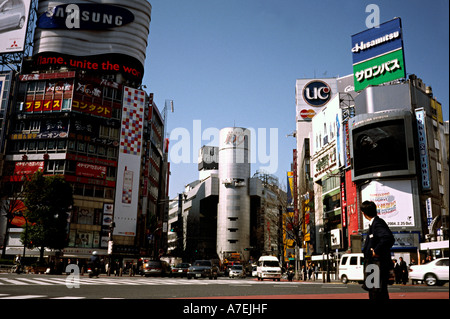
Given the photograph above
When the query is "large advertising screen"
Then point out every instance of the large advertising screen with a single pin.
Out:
(394, 200)
(380, 147)
(93, 36)
(378, 55)
(382, 144)
(14, 16)
(129, 166)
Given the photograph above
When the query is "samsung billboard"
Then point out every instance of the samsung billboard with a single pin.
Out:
(378, 55)
(85, 16)
(94, 36)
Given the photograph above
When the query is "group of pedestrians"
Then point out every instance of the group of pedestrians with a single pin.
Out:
(310, 272)
(400, 271)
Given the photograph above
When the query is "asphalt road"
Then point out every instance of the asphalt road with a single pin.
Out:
(115, 297)
(49, 287)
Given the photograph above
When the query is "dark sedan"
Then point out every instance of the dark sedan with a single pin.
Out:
(203, 269)
(180, 270)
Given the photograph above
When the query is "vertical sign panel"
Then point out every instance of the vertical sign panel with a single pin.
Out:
(378, 55)
(128, 172)
(423, 149)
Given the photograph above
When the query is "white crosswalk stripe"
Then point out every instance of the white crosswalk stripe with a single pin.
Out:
(18, 297)
(22, 297)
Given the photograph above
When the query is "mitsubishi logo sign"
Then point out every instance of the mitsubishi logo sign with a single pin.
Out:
(317, 93)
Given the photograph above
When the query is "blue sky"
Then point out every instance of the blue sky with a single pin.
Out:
(235, 62)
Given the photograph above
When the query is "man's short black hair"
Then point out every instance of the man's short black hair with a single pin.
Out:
(369, 208)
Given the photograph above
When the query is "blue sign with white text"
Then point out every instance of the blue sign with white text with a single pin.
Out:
(85, 16)
(374, 42)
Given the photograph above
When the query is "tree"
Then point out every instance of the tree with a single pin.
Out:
(48, 200)
(11, 205)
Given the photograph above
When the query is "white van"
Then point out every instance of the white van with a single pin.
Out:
(351, 267)
(268, 267)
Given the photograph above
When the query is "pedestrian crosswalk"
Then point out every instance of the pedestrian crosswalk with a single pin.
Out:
(31, 283)
(138, 281)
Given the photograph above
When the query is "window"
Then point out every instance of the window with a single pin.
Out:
(99, 192)
(51, 145)
(354, 260)
(66, 104)
(62, 145)
(91, 149)
(112, 152)
(331, 183)
(41, 145)
(330, 203)
(81, 147)
(31, 145)
(89, 191)
(35, 125)
(101, 151)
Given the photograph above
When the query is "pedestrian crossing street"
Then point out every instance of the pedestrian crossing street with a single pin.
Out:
(137, 281)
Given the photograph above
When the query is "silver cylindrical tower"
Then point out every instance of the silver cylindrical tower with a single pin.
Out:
(233, 214)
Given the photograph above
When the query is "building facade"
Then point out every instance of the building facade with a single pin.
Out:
(79, 112)
(226, 214)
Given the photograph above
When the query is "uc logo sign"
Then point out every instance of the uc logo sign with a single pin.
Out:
(317, 93)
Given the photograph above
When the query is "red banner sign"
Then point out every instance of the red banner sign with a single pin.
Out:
(28, 168)
(43, 106)
(90, 170)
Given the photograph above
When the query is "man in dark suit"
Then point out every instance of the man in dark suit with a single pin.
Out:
(403, 271)
(377, 253)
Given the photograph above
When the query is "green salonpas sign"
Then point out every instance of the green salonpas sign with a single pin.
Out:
(382, 69)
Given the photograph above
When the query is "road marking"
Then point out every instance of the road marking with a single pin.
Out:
(55, 281)
(14, 282)
(23, 297)
(33, 281)
(67, 297)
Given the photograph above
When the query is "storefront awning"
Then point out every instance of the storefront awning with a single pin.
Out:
(434, 245)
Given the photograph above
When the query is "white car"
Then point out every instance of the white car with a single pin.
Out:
(433, 273)
(268, 268)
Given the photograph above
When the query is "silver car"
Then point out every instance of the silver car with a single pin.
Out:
(236, 271)
(12, 14)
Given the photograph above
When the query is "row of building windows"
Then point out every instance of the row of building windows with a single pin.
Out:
(93, 191)
(51, 87)
(61, 146)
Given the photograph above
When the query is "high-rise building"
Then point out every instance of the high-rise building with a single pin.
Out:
(233, 215)
(79, 111)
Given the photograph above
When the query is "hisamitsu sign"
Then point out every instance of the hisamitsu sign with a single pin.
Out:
(378, 55)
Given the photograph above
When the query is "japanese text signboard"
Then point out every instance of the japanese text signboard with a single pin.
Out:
(378, 55)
